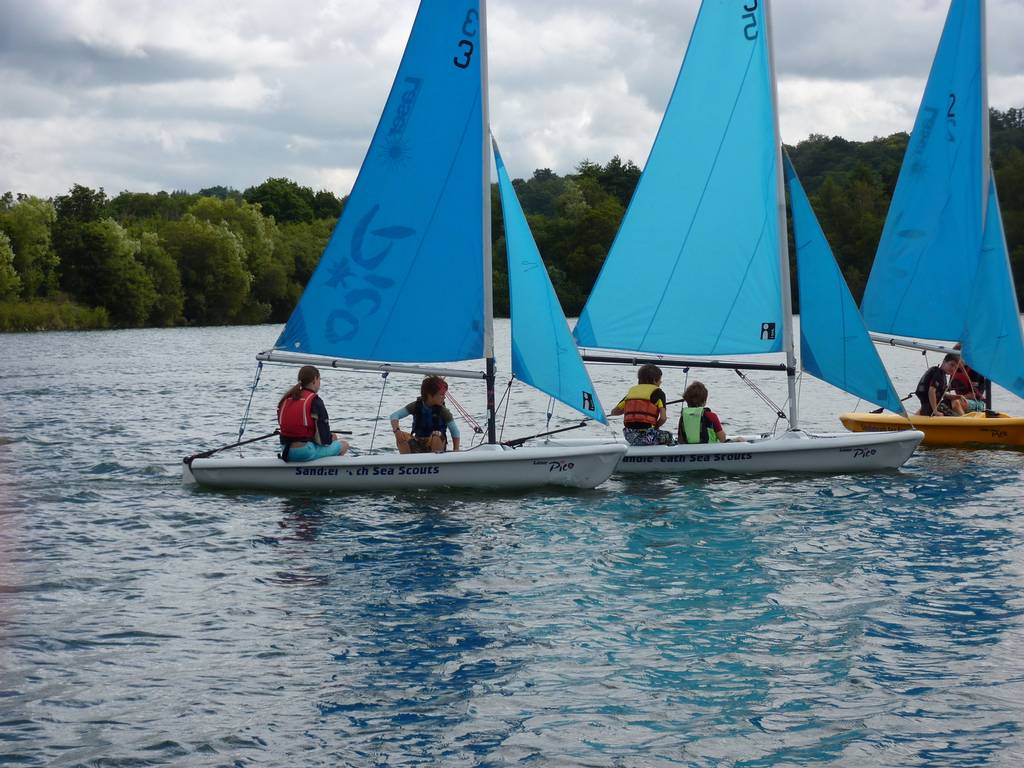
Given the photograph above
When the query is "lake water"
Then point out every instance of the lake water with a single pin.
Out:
(872, 620)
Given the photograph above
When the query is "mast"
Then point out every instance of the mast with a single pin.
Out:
(485, 149)
(784, 276)
(986, 164)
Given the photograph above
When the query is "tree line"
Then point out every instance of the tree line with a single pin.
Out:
(221, 256)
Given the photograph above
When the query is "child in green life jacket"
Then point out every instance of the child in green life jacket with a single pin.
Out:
(699, 424)
(643, 409)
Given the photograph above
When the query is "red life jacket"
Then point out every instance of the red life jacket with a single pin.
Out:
(295, 417)
(638, 411)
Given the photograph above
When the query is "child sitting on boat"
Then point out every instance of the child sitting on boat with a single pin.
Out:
(431, 421)
(303, 422)
(643, 409)
(969, 385)
(937, 399)
(698, 423)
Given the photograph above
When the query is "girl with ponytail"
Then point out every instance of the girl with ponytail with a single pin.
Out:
(303, 421)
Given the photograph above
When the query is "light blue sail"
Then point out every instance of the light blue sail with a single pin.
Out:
(402, 276)
(543, 352)
(992, 342)
(695, 266)
(834, 342)
(932, 234)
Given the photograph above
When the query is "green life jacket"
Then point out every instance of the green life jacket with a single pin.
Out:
(697, 426)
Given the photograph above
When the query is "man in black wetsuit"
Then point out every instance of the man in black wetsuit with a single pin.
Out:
(933, 388)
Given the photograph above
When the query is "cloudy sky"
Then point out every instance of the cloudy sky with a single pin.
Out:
(151, 94)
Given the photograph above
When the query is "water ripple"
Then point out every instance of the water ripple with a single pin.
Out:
(713, 621)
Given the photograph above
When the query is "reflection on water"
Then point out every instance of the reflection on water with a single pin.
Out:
(861, 620)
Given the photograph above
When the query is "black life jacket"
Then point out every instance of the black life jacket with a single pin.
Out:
(934, 375)
(428, 419)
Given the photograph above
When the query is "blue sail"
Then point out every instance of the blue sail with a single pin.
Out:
(992, 343)
(543, 352)
(695, 266)
(932, 234)
(834, 342)
(402, 276)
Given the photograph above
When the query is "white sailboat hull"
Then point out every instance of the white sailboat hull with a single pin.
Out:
(795, 451)
(489, 467)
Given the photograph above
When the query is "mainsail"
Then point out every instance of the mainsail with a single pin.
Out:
(403, 276)
(695, 268)
(942, 269)
(834, 342)
(543, 352)
(932, 235)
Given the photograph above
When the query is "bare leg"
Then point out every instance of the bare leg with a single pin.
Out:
(402, 441)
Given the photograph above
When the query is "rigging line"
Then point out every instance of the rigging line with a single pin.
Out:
(376, 419)
(550, 413)
(465, 414)
(779, 413)
(507, 399)
(252, 392)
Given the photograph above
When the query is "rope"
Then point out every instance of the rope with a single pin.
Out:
(466, 415)
(507, 401)
(207, 454)
(779, 413)
(252, 392)
(376, 419)
(551, 412)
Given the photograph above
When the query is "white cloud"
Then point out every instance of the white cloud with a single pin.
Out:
(153, 95)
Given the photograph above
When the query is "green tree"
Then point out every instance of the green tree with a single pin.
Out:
(10, 283)
(211, 259)
(117, 279)
(619, 179)
(130, 207)
(27, 224)
(299, 247)
(852, 211)
(572, 205)
(168, 307)
(258, 233)
(80, 206)
(326, 205)
(283, 199)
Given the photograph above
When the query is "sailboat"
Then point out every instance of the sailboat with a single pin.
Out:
(700, 265)
(942, 273)
(418, 216)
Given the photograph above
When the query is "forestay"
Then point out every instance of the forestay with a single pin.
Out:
(932, 235)
(992, 340)
(402, 278)
(834, 342)
(543, 352)
(695, 268)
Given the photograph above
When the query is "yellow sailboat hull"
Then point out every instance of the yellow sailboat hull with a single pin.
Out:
(972, 429)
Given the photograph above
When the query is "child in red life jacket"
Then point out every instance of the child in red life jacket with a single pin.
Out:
(302, 419)
(430, 421)
(643, 409)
